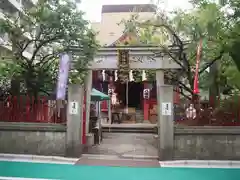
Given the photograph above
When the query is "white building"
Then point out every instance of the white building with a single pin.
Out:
(11, 9)
(110, 29)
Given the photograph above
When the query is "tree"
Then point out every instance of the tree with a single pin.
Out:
(183, 31)
(46, 30)
(230, 64)
(232, 9)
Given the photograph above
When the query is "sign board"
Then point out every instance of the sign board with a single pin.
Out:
(166, 109)
(73, 107)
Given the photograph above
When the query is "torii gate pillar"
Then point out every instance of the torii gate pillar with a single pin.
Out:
(88, 98)
(165, 118)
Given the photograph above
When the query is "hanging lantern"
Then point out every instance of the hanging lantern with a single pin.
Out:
(110, 91)
(115, 75)
(146, 93)
(131, 76)
(103, 75)
(144, 76)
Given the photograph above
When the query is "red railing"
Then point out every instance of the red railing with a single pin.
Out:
(30, 109)
(213, 112)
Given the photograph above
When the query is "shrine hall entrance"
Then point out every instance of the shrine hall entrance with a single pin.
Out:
(130, 94)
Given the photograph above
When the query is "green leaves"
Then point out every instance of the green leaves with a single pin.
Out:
(53, 27)
(184, 29)
(234, 53)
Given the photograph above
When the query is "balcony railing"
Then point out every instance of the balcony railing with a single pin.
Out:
(17, 4)
(5, 14)
(4, 39)
(4, 42)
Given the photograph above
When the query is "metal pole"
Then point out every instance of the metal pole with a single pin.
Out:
(99, 122)
(127, 97)
(109, 112)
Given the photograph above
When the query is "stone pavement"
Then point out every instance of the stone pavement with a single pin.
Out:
(123, 149)
(126, 145)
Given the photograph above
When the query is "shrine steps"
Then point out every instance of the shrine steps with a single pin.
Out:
(130, 128)
(139, 116)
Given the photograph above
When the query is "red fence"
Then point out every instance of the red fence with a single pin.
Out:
(220, 112)
(29, 109)
(212, 112)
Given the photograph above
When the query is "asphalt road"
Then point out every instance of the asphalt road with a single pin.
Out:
(21, 170)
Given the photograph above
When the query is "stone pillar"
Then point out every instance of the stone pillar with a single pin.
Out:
(88, 98)
(74, 125)
(165, 118)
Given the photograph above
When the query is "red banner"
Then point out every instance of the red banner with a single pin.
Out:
(196, 77)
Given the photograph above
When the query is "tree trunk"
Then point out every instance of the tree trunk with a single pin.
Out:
(15, 86)
(214, 87)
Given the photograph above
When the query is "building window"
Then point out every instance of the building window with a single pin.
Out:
(111, 33)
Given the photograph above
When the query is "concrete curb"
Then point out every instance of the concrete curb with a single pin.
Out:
(16, 178)
(96, 156)
(140, 157)
(37, 158)
(116, 157)
(201, 164)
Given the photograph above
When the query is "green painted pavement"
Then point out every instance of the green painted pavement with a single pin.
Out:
(79, 172)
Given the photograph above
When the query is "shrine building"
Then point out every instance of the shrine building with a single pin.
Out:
(139, 94)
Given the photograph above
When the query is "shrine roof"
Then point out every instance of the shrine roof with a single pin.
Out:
(123, 41)
(125, 37)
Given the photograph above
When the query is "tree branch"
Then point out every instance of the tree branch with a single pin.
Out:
(181, 84)
(26, 45)
(212, 62)
(44, 42)
(181, 92)
(45, 59)
(44, 91)
(173, 58)
(181, 55)
(185, 87)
